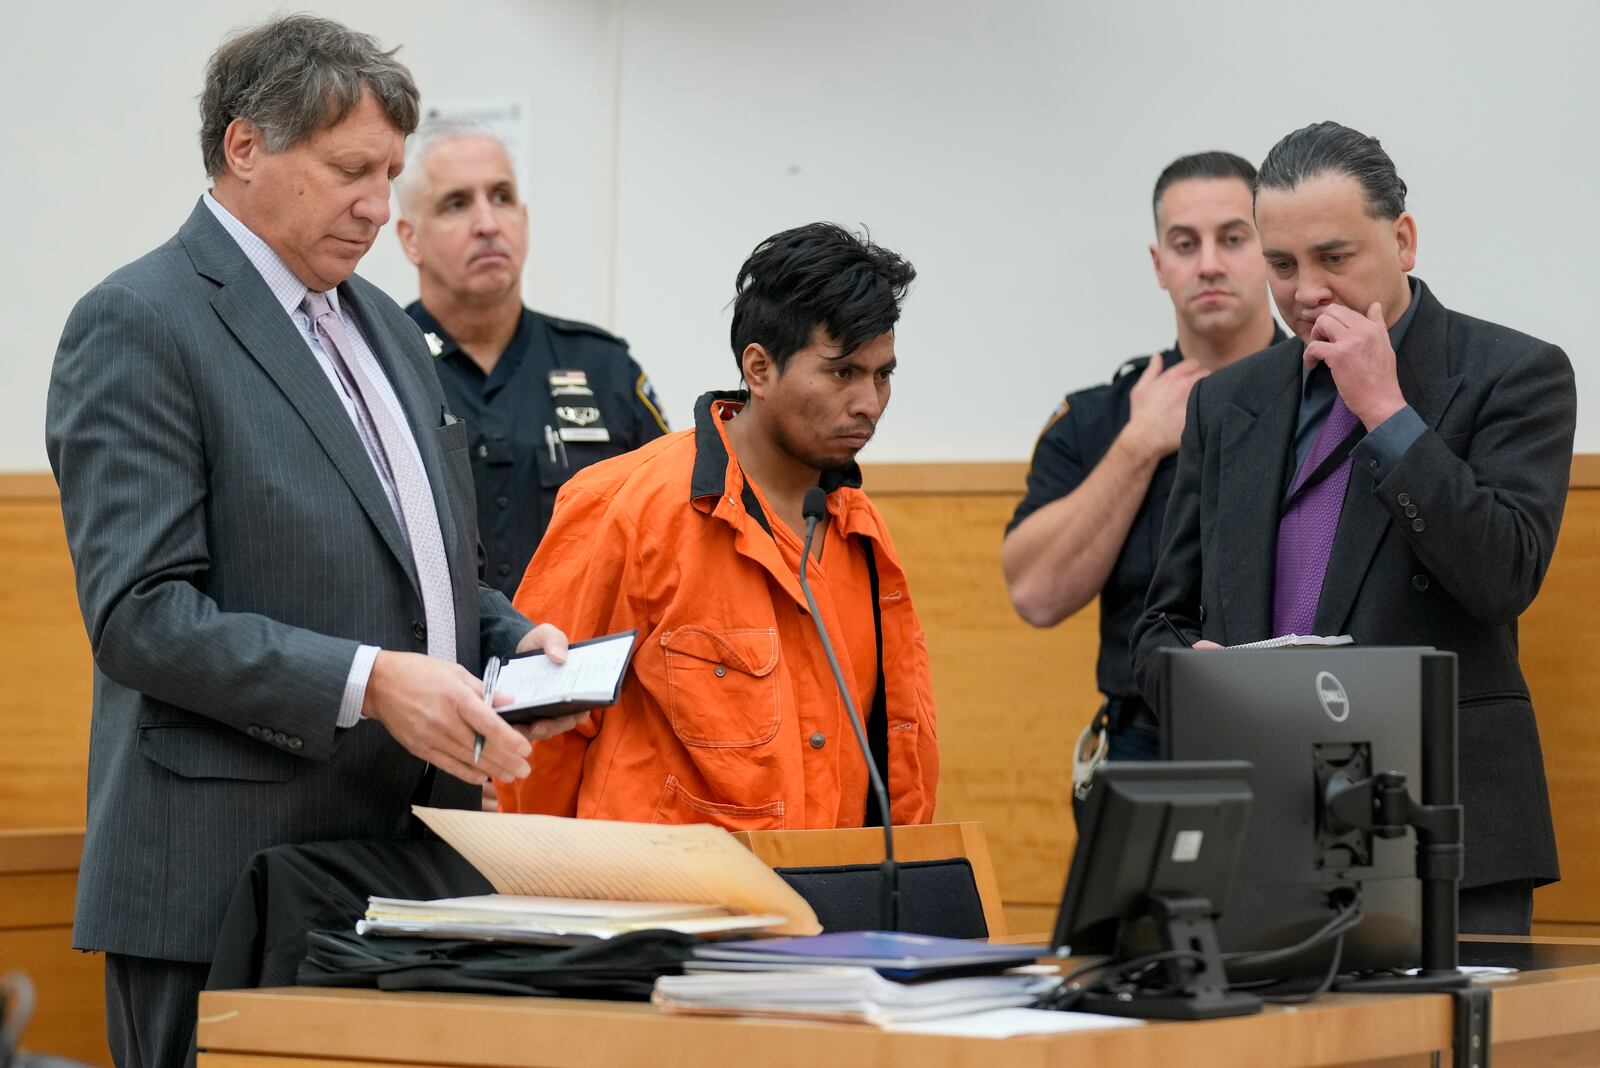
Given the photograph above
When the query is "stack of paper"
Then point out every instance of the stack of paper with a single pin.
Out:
(546, 920)
(850, 995)
(1010, 1023)
(566, 879)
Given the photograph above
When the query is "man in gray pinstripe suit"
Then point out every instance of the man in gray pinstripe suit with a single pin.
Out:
(271, 517)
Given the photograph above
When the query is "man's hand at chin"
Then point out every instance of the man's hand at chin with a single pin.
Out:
(1356, 349)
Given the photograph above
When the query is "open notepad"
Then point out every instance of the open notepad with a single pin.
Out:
(591, 677)
(1298, 641)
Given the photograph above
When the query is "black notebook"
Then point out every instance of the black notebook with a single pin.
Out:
(591, 677)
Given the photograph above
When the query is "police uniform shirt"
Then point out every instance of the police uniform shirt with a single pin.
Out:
(1078, 436)
(562, 396)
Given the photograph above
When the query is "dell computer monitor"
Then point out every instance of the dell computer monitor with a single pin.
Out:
(1300, 716)
(1147, 830)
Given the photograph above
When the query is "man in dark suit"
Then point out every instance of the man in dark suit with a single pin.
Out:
(1396, 471)
(271, 517)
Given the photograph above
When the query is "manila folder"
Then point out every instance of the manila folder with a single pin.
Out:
(609, 860)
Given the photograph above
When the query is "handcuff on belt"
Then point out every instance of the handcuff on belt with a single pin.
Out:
(1090, 751)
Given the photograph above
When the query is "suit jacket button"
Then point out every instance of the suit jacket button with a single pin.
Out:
(1411, 511)
(1419, 582)
(280, 738)
(253, 731)
(296, 743)
(1404, 499)
(818, 741)
(419, 630)
(1417, 525)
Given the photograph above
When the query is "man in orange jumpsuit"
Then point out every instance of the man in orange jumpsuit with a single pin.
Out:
(730, 714)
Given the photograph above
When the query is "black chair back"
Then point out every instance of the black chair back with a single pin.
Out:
(937, 897)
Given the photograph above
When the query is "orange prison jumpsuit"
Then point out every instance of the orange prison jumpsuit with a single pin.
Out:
(729, 713)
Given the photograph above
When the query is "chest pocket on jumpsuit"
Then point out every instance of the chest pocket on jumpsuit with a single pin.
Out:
(722, 685)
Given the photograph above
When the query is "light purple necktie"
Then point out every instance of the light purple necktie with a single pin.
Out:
(1305, 533)
(401, 471)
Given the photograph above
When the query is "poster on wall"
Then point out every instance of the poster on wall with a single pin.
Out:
(511, 117)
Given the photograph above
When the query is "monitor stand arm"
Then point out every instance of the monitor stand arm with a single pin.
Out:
(1381, 804)
(1194, 987)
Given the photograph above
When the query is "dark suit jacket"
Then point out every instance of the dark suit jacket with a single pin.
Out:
(1446, 551)
(233, 546)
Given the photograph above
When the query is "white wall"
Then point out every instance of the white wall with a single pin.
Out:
(101, 160)
(1006, 148)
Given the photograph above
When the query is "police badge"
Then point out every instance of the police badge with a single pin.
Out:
(579, 421)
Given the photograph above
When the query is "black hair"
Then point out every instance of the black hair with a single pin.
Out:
(816, 275)
(1201, 165)
(1327, 147)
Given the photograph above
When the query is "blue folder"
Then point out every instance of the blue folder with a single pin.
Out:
(890, 953)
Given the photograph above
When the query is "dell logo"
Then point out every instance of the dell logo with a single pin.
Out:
(1331, 695)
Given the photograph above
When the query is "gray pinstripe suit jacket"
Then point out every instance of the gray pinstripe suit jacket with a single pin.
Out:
(233, 546)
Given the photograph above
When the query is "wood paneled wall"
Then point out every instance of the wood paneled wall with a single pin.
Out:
(1559, 637)
(44, 662)
(38, 877)
(1011, 699)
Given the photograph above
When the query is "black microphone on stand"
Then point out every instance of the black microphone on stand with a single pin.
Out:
(814, 507)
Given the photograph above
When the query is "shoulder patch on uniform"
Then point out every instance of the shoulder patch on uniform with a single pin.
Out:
(647, 396)
(572, 326)
(1055, 415)
(1133, 366)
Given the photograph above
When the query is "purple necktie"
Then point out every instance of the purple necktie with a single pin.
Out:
(1305, 533)
(401, 472)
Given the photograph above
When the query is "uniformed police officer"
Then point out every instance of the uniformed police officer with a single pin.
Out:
(542, 397)
(1102, 469)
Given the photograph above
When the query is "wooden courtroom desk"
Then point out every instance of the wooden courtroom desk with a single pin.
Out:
(1548, 1019)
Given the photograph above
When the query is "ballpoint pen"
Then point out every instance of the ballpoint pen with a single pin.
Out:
(1176, 633)
(491, 674)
